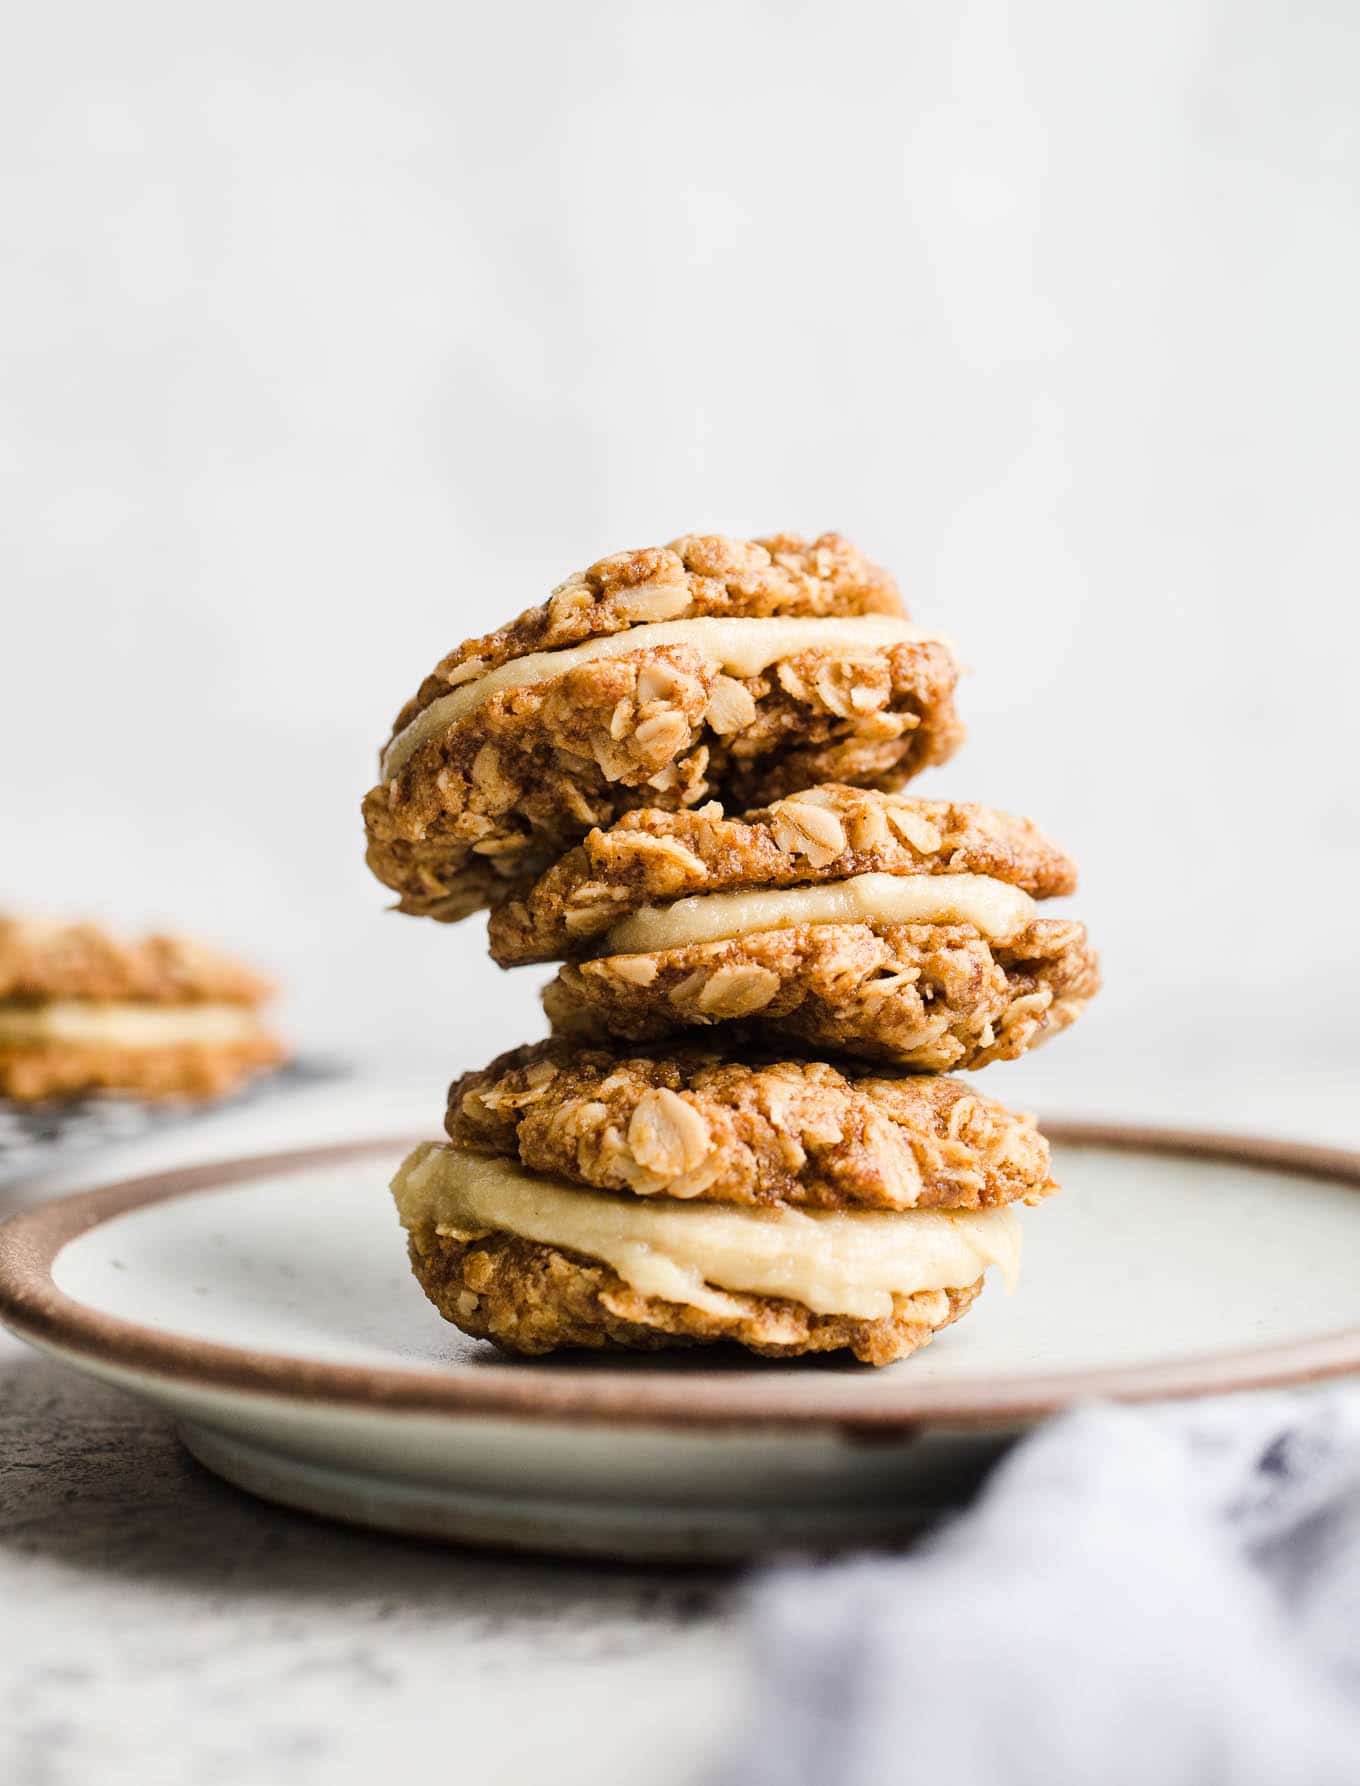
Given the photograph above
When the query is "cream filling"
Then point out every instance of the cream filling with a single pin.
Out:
(126, 1025)
(834, 1262)
(738, 648)
(998, 910)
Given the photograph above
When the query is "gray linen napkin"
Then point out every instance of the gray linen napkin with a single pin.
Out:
(1150, 1596)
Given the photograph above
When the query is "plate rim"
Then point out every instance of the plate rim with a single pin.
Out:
(36, 1310)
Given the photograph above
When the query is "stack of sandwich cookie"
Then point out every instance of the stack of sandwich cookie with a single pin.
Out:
(767, 952)
(160, 1016)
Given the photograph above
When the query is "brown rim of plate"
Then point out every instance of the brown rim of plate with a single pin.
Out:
(34, 1308)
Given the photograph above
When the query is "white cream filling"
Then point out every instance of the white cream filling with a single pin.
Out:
(998, 910)
(125, 1024)
(834, 1262)
(739, 648)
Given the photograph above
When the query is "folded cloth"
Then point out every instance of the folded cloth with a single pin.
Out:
(1153, 1596)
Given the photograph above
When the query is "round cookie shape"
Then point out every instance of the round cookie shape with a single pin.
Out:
(847, 920)
(693, 1124)
(714, 668)
(813, 836)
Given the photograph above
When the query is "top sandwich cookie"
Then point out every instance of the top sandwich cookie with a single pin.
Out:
(161, 1016)
(710, 668)
(866, 924)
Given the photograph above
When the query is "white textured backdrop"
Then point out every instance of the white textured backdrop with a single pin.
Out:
(332, 333)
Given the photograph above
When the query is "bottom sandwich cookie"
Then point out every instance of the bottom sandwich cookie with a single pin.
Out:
(784, 1206)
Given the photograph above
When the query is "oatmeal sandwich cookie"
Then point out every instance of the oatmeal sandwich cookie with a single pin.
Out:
(867, 924)
(740, 669)
(661, 1199)
(83, 1011)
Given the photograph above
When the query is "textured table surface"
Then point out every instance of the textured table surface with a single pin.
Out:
(159, 1626)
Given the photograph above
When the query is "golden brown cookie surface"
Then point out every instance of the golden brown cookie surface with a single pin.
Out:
(690, 1123)
(816, 835)
(849, 920)
(773, 676)
(934, 998)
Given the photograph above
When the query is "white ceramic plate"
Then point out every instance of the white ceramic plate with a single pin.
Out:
(267, 1306)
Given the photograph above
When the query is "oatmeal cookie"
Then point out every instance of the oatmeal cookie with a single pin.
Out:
(817, 835)
(82, 1011)
(734, 669)
(690, 1123)
(865, 924)
(934, 998)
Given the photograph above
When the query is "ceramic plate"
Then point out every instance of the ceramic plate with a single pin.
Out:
(266, 1306)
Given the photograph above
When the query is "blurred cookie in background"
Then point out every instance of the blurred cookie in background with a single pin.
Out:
(159, 1016)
